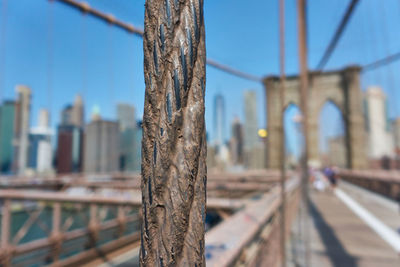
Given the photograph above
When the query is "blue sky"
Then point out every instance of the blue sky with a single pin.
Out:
(104, 63)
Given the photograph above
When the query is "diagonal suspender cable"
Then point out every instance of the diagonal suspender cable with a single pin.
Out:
(174, 141)
(381, 62)
(336, 37)
(84, 7)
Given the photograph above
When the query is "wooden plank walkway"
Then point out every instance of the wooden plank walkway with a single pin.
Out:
(340, 238)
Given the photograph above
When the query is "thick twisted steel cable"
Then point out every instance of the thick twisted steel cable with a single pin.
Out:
(174, 141)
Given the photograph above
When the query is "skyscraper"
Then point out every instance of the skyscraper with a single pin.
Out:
(254, 147)
(236, 143)
(7, 124)
(40, 149)
(21, 134)
(127, 131)
(137, 164)
(69, 156)
(379, 136)
(126, 116)
(77, 112)
(101, 152)
(73, 114)
(396, 135)
(251, 122)
(66, 115)
(70, 138)
(219, 120)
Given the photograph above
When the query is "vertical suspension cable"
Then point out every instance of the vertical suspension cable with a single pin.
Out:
(111, 75)
(374, 43)
(84, 56)
(304, 94)
(365, 49)
(133, 77)
(283, 146)
(111, 65)
(389, 73)
(50, 55)
(3, 45)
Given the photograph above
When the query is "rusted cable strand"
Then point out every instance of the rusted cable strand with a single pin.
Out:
(174, 143)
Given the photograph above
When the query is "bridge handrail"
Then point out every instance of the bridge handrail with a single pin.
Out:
(229, 238)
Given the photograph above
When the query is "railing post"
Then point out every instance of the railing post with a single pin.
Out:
(56, 235)
(121, 220)
(93, 225)
(5, 249)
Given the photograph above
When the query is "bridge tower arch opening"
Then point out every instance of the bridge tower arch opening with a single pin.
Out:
(293, 137)
(341, 87)
(332, 136)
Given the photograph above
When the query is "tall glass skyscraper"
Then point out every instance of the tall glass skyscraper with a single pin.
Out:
(127, 128)
(7, 120)
(251, 122)
(21, 134)
(219, 120)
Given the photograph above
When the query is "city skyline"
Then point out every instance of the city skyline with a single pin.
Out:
(27, 61)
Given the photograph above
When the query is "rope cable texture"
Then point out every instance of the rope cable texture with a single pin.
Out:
(174, 142)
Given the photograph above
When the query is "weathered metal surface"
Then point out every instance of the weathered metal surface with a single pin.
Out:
(174, 141)
(59, 233)
(226, 242)
(133, 199)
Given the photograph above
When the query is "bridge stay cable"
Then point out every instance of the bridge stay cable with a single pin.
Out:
(386, 41)
(50, 59)
(84, 7)
(3, 44)
(338, 33)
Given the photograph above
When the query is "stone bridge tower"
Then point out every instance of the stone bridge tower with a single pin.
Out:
(340, 87)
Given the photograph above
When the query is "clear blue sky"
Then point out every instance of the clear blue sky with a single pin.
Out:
(242, 34)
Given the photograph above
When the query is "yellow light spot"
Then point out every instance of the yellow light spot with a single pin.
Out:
(262, 133)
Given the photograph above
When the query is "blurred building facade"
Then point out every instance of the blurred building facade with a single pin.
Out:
(254, 147)
(70, 138)
(40, 149)
(250, 119)
(396, 135)
(101, 148)
(7, 125)
(380, 138)
(69, 157)
(137, 164)
(219, 120)
(236, 143)
(127, 131)
(21, 133)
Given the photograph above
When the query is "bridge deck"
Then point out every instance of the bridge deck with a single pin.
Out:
(341, 238)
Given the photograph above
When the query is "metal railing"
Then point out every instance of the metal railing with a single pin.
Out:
(250, 237)
(47, 230)
(383, 182)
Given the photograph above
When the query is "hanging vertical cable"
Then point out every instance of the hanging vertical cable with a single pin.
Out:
(372, 32)
(3, 45)
(304, 94)
(84, 55)
(111, 86)
(174, 141)
(50, 57)
(283, 146)
(390, 78)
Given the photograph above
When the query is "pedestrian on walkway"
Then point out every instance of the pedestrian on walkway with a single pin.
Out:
(330, 173)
